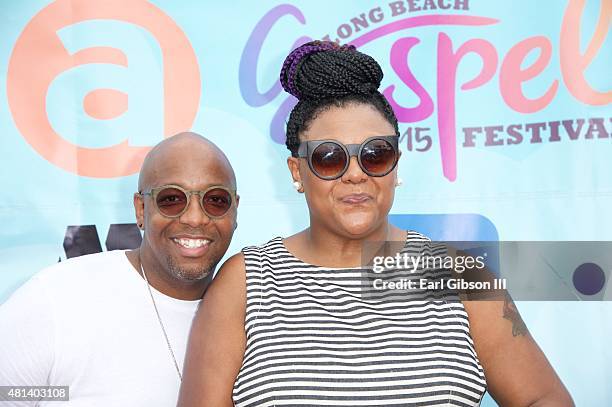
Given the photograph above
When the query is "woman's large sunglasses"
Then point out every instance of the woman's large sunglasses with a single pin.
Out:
(172, 200)
(329, 159)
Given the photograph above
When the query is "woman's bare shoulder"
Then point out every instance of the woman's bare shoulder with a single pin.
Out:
(230, 280)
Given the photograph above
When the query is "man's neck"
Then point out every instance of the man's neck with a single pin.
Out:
(162, 281)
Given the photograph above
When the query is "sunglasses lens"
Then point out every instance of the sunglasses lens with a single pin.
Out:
(378, 157)
(171, 201)
(328, 160)
(217, 202)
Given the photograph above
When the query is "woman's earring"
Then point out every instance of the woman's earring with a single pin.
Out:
(399, 182)
(297, 185)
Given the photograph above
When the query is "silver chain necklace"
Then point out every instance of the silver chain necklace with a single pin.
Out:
(161, 324)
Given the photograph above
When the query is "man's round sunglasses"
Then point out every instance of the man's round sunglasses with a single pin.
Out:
(329, 159)
(172, 201)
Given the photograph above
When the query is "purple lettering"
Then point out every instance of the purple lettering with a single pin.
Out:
(492, 133)
(469, 136)
(247, 78)
(535, 131)
(515, 134)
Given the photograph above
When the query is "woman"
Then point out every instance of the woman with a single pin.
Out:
(285, 324)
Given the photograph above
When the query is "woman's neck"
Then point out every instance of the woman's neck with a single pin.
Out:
(325, 247)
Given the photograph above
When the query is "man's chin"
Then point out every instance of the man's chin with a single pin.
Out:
(189, 272)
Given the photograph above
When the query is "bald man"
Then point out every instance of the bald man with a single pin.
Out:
(113, 326)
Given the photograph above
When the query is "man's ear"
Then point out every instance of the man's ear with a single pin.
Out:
(236, 217)
(139, 209)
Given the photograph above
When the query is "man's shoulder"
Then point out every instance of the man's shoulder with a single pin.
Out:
(84, 267)
(74, 281)
(90, 260)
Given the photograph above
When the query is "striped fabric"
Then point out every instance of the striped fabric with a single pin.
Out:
(316, 337)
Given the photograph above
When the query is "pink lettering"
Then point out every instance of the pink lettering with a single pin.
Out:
(511, 76)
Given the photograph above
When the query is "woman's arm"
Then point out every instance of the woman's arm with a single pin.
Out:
(217, 340)
(517, 372)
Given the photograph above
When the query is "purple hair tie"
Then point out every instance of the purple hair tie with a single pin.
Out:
(297, 55)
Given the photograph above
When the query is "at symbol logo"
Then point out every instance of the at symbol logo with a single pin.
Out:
(93, 84)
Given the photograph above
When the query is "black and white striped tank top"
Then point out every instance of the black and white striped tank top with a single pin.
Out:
(314, 339)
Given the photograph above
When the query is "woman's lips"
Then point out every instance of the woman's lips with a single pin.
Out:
(356, 198)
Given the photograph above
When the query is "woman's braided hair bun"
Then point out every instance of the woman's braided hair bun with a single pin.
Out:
(320, 70)
(323, 74)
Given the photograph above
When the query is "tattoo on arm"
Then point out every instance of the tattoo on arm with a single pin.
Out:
(511, 313)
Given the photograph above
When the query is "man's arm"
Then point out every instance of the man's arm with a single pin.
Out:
(27, 338)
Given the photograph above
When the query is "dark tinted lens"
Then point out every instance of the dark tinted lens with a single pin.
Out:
(171, 201)
(217, 202)
(378, 157)
(328, 160)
